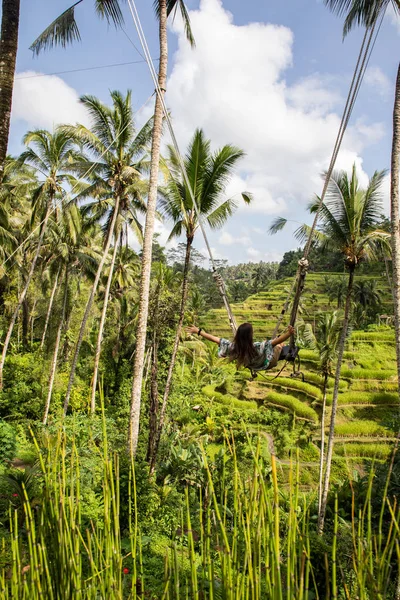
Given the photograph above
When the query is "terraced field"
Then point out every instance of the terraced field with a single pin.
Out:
(368, 414)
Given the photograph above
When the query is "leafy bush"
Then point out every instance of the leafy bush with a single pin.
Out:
(299, 408)
(22, 394)
(8, 442)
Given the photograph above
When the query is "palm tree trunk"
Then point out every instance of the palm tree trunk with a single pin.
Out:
(174, 351)
(49, 309)
(25, 324)
(23, 295)
(89, 304)
(101, 326)
(8, 57)
(153, 401)
(331, 439)
(56, 349)
(32, 319)
(322, 453)
(395, 216)
(133, 433)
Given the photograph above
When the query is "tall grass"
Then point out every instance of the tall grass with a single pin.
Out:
(244, 538)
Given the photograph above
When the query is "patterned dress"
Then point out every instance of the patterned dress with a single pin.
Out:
(265, 353)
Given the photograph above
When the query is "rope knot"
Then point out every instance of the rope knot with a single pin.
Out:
(303, 264)
(218, 279)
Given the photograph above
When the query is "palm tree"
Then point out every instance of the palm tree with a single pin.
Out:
(163, 9)
(71, 249)
(324, 340)
(54, 287)
(395, 218)
(117, 159)
(348, 223)
(335, 288)
(208, 176)
(8, 57)
(367, 294)
(165, 286)
(50, 154)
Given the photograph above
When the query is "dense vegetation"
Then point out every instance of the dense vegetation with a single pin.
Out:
(133, 462)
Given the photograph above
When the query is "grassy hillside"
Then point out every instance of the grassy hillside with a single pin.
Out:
(367, 419)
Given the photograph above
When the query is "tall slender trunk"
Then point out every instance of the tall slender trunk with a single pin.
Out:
(174, 351)
(133, 433)
(331, 439)
(53, 367)
(153, 411)
(23, 295)
(25, 324)
(32, 319)
(395, 216)
(8, 57)
(101, 326)
(49, 308)
(322, 453)
(89, 305)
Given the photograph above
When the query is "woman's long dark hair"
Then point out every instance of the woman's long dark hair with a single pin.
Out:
(244, 351)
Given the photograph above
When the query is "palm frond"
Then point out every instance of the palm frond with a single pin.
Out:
(61, 32)
(111, 11)
(142, 139)
(303, 233)
(371, 209)
(176, 230)
(217, 175)
(172, 5)
(247, 197)
(221, 214)
(277, 225)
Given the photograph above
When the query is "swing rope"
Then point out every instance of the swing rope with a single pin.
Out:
(217, 276)
(299, 281)
(364, 56)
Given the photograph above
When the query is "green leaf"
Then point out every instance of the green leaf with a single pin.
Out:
(277, 225)
(61, 32)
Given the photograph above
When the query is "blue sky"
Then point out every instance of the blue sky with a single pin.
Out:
(270, 77)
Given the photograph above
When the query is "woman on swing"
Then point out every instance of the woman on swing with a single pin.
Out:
(257, 356)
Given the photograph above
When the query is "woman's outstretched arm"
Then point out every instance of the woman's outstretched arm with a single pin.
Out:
(282, 338)
(207, 336)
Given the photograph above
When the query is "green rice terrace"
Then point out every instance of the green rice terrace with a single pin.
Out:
(367, 419)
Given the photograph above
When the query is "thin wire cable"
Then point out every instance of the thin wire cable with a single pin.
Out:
(143, 41)
(133, 62)
(84, 176)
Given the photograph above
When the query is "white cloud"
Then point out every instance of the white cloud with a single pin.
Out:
(273, 256)
(226, 239)
(377, 79)
(233, 85)
(45, 102)
(253, 252)
(393, 17)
